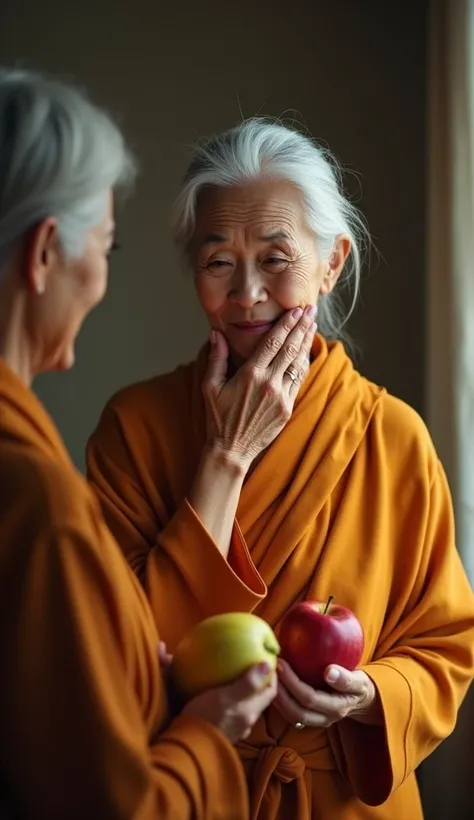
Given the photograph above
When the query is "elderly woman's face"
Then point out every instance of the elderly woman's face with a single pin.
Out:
(72, 288)
(254, 259)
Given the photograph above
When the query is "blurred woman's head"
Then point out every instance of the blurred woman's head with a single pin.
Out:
(61, 160)
(265, 223)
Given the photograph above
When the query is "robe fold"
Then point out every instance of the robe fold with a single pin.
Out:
(84, 730)
(350, 500)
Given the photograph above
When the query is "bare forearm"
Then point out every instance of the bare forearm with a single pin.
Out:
(215, 495)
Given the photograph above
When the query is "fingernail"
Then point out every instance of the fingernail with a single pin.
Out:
(212, 337)
(263, 669)
(311, 311)
(280, 667)
(297, 314)
(332, 676)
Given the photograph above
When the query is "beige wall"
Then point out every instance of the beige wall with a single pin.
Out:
(355, 71)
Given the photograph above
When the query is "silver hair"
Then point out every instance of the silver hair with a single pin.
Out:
(259, 148)
(60, 154)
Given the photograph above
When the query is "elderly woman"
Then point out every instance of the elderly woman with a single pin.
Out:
(219, 504)
(84, 730)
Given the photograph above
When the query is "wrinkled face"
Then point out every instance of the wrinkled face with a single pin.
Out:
(72, 288)
(255, 258)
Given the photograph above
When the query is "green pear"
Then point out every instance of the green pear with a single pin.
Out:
(220, 649)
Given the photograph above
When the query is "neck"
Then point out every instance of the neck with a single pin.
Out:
(17, 360)
(14, 346)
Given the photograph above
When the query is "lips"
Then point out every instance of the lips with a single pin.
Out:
(254, 327)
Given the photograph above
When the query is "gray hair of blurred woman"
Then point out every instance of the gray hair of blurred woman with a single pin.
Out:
(60, 155)
(259, 148)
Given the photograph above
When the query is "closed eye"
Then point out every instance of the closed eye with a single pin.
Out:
(216, 264)
(275, 262)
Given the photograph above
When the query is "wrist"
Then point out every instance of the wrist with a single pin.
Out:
(225, 461)
(371, 713)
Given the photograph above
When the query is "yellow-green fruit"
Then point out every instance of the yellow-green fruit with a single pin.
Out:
(220, 649)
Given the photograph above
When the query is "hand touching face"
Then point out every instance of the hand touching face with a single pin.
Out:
(255, 259)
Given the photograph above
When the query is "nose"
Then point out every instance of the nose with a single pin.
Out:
(247, 286)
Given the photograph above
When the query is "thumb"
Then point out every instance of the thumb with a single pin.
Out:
(340, 679)
(217, 362)
(252, 682)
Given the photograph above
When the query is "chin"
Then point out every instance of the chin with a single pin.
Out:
(242, 352)
(65, 360)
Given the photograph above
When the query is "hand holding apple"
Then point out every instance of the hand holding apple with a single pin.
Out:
(314, 635)
(220, 649)
(235, 708)
(322, 644)
(353, 695)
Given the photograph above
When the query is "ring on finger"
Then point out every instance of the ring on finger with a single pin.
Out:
(292, 374)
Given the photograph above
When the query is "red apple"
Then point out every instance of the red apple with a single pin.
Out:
(314, 635)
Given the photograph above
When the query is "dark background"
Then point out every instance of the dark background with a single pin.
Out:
(353, 72)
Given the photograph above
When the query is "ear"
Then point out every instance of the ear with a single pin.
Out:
(335, 264)
(42, 253)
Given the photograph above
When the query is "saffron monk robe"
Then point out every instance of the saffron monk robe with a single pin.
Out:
(85, 730)
(269, 471)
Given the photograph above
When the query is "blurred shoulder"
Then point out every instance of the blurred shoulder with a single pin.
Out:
(47, 493)
(149, 400)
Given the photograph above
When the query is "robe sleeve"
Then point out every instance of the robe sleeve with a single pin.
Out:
(163, 546)
(422, 671)
(81, 673)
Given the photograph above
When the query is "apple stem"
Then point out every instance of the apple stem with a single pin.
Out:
(330, 600)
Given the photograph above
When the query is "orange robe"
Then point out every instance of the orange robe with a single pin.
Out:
(81, 696)
(350, 500)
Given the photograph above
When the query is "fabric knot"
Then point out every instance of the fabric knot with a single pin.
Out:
(284, 763)
(280, 767)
